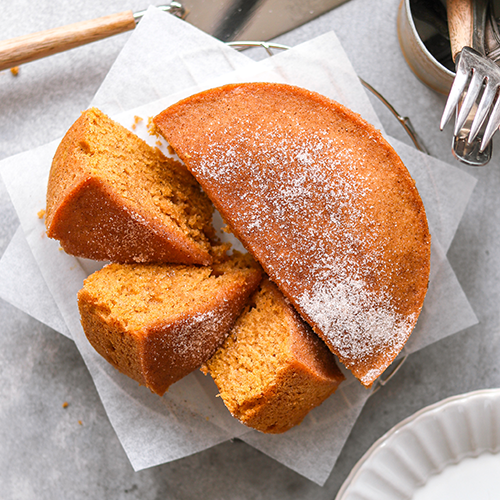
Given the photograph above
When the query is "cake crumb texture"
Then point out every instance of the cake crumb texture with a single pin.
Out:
(158, 322)
(113, 197)
(273, 369)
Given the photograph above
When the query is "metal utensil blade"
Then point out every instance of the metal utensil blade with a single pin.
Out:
(471, 152)
(253, 19)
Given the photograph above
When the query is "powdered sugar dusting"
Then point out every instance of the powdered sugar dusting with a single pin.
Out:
(307, 204)
(194, 336)
(187, 341)
(357, 320)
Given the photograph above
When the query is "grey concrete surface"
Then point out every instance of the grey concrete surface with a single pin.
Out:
(51, 452)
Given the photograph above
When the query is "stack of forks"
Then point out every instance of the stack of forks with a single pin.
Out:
(475, 93)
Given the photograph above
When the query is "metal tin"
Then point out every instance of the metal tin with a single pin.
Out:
(421, 61)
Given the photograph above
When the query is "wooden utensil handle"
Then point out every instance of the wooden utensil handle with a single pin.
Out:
(45, 43)
(459, 24)
(467, 24)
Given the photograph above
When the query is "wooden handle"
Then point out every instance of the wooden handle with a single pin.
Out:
(45, 43)
(460, 24)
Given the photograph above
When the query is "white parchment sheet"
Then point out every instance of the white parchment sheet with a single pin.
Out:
(164, 60)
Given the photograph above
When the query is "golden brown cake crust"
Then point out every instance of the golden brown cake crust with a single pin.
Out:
(157, 323)
(322, 201)
(93, 218)
(273, 370)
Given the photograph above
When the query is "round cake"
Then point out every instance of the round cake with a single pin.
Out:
(322, 201)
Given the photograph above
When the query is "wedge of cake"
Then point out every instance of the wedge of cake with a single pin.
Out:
(113, 197)
(273, 369)
(158, 322)
(322, 201)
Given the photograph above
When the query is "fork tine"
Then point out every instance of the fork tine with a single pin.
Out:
(483, 108)
(475, 86)
(492, 126)
(456, 90)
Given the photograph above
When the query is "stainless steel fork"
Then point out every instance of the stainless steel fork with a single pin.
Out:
(477, 81)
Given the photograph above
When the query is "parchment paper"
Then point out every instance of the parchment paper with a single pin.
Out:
(190, 418)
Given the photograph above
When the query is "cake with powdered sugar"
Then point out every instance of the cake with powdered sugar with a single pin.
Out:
(113, 197)
(323, 203)
(157, 323)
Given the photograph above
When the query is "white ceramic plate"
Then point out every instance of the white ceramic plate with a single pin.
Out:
(446, 451)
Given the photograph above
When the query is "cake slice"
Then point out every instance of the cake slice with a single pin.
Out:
(113, 197)
(273, 369)
(322, 201)
(158, 322)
